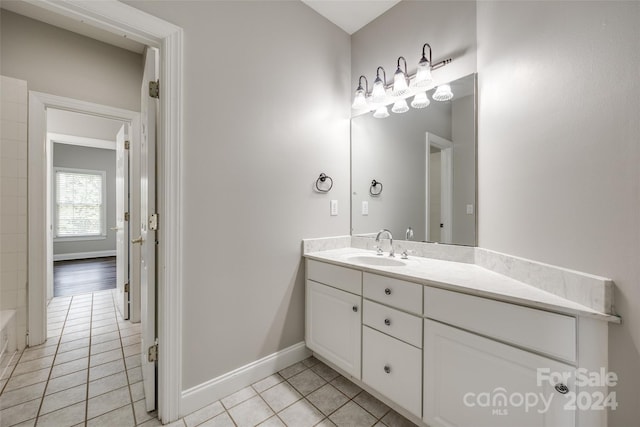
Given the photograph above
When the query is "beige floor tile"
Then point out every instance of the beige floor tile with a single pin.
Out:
(133, 339)
(66, 381)
(68, 356)
(301, 414)
(69, 416)
(62, 399)
(280, 396)
(371, 404)
(310, 361)
(133, 361)
(292, 370)
(75, 336)
(22, 395)
(324, 371)
(137, 391)
(33, 365)
(134, 375)
(107, 356)
(325, 423)
(19, 413)
(73, 345)
(272, 422)
(268, 382)
(222, 420)
(28, 423)
(327, 399)
(99, 339)
(250, 412)
(352, 415)
(202, 415)
(306, 382)
(121, 417)
(141, 412)
(99, 330)
(106, 384)
(393, 419)
(238, 397)
(37, 353)
(80, 327)
(108, 402)
(130, 350)
(105, 346)
(153, 422)
(18, 381)
(106, 369)
(69, 367)
(346, 386)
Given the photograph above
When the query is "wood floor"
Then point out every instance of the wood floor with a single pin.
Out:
(83, 275)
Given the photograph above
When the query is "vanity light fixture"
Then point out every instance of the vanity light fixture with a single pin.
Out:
(379, 92)
(400, 106)
(420, 100)
(360, 100)
(442, 93)
(423, 75)
(400, 79)
(381, 112)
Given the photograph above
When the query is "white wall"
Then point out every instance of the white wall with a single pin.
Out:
(559, 150)
(78, 157)
(266, 90)
(13, 202)
(63, 63)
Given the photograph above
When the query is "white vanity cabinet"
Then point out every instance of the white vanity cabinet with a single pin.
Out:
(333, 327)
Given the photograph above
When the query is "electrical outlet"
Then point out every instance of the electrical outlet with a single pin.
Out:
(334, 208)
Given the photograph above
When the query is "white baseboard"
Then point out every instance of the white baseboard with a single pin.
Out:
(215, 389)
(84, 255)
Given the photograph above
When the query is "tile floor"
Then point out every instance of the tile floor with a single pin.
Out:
(88, 374)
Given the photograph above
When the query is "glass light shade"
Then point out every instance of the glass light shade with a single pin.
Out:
(359, 102)
(399, 83)
(378, 94)
(423, 75)
(381, 113)
(420, 100)
(443, 93)
(400, 106)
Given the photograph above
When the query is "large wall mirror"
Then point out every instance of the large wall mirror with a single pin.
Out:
(418, 170)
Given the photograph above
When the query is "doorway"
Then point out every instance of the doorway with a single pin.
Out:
(439, 189)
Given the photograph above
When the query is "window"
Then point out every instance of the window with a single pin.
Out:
(80, 197)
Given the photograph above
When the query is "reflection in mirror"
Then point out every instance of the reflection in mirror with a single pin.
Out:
(426, 159)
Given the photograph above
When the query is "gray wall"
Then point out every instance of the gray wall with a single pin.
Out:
(266, 110)
(60, 62)
(559, 151)
(463, 135)
(84, 125)
(78, 157)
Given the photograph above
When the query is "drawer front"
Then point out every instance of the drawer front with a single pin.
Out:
(398, 324)
(393, 368)
(339, 277)
(542, 331)
(397, 293)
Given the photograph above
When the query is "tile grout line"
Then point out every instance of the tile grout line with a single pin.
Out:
(86, 400)
(124, 362)
(37, 417)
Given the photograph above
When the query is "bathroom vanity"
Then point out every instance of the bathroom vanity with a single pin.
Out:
(450, 343)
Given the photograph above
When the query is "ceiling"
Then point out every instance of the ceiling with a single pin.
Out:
(351, 15)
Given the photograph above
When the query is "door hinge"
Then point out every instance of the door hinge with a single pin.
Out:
(126, 287)
(154, 89)
(152, 353)
(153, 222)
(127, 144)
(126, 216)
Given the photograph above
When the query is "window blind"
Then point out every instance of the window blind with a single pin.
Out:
(79, 203)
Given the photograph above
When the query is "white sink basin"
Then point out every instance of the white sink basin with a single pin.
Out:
(381, 261)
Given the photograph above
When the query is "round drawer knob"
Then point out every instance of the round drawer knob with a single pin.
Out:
(387, 322)
(355, 308)
(387, 369)
(387, 291)
(562, 388)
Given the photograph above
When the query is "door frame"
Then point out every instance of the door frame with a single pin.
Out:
(127, 21)
(446, 184)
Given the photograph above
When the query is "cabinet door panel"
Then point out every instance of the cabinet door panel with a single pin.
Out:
(333, 326)
(466, 377)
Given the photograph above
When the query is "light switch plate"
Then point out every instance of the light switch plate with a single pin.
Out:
(469, 209)
(365, 208)
(334, 207)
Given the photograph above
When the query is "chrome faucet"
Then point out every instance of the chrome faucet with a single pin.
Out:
(384, 230)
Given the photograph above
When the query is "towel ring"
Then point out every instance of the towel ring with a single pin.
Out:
(321, 179)
(372, 189)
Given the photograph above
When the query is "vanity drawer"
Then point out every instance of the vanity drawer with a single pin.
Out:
(542, 331)
(393, 368)
(397, 293)
(398, 324)
(338, 277)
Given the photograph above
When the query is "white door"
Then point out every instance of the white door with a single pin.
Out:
(333, 326)
(122, 224)
(472, 381)
(147, 237)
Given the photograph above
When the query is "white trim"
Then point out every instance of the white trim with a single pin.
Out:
(446, 183)
(208, 392)
(84, 255)
(137, 25)
(59, 138)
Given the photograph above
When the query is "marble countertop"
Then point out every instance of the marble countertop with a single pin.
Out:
(461, 277)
